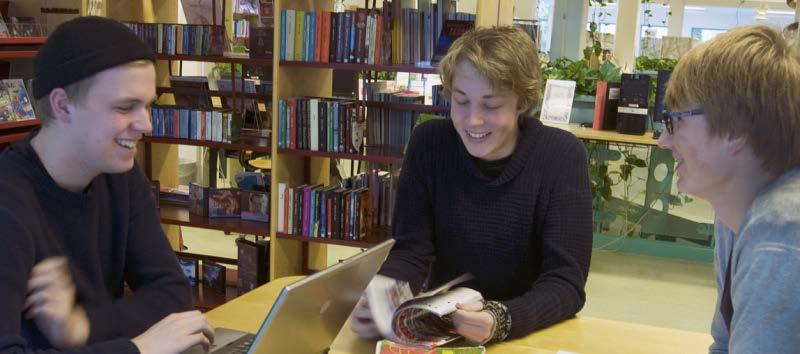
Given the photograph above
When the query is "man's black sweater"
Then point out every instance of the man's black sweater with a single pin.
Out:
(110, 233)
(526, 235)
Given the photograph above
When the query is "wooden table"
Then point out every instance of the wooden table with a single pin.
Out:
(606, 135)
(578, 335)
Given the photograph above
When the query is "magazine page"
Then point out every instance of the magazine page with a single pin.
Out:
(389, 347)
(384, 296)
(423, 321)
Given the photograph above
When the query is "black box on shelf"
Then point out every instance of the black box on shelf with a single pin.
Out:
(261, 39)
(155, 191)
(634, 104)
(253, 260)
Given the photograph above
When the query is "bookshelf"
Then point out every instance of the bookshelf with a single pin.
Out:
(159, 155)
(20, 47)
(294, 254)
(179, 215)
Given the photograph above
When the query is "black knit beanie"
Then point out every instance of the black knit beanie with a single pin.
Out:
(82, 47)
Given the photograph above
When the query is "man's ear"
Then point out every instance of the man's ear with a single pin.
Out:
(736, 144)
(59, 103)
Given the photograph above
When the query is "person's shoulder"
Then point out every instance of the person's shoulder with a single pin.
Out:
(560, 138)
(555, 143)
(775, 214)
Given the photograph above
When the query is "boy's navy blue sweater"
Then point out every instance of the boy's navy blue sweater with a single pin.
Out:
(526, 235)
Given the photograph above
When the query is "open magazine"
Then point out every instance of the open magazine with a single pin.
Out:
(418, 321)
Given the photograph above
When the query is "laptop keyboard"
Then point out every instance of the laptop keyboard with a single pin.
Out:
(240, 346)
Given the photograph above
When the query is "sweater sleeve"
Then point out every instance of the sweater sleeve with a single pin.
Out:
(151, 270)
(412, 226)
(16, 262)
(566, 234)
(764, 285)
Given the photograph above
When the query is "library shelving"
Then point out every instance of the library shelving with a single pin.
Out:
(179, 215)
(16, 130)
(294, 254)
(20, 47)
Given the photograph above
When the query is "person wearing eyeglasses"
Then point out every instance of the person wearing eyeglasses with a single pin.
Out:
(735, 136)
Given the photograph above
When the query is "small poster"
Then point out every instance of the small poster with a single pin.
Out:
(198, 12)
(557, 105)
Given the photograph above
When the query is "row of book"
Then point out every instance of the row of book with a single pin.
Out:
(373, 36)
(319, 124)
(241, 28)
(173, 122)
(175, 39)
(228, 203)
(15, 104)
(344, 212)
(437, 96)
(390, 127)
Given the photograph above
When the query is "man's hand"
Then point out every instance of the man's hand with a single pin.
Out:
(472, 322)
(361, 322)
(175, 334)
(51, 304)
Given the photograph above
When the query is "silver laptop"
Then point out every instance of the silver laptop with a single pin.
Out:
(309, 313)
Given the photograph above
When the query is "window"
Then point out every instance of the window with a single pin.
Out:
(706, 34)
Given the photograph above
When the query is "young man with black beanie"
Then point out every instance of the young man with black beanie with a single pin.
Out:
(77, 217)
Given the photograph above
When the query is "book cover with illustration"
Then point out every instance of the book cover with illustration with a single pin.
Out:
(420, 321)
(224, 203)
(255, 206)
(15, 103)
(214, 276)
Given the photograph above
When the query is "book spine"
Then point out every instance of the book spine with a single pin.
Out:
(600, 105)
(283, 35)
(281, 208)
(299, 31)
(314, 124)
(306, 210)
(290, 35)
(360, 35)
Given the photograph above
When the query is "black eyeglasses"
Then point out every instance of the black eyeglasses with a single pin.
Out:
(668, 116)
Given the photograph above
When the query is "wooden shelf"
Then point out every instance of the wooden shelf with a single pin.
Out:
(246, 143)
(22, 40)
(606, 135)
(379, 155)
(17, 130)
(19, 124)
(192, 91)
(16, 54)
(367, 67)
(380, 234)
(178, 215)
(205, 299)
(215, 59)
(408, 107)
(10, 138)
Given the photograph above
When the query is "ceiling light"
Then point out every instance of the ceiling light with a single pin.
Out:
(782, 13)
(695, 8)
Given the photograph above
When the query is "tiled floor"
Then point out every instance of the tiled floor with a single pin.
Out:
(624, 287)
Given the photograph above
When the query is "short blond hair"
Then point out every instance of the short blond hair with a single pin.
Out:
(504, 55)
(76, 92)
(748, 82)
